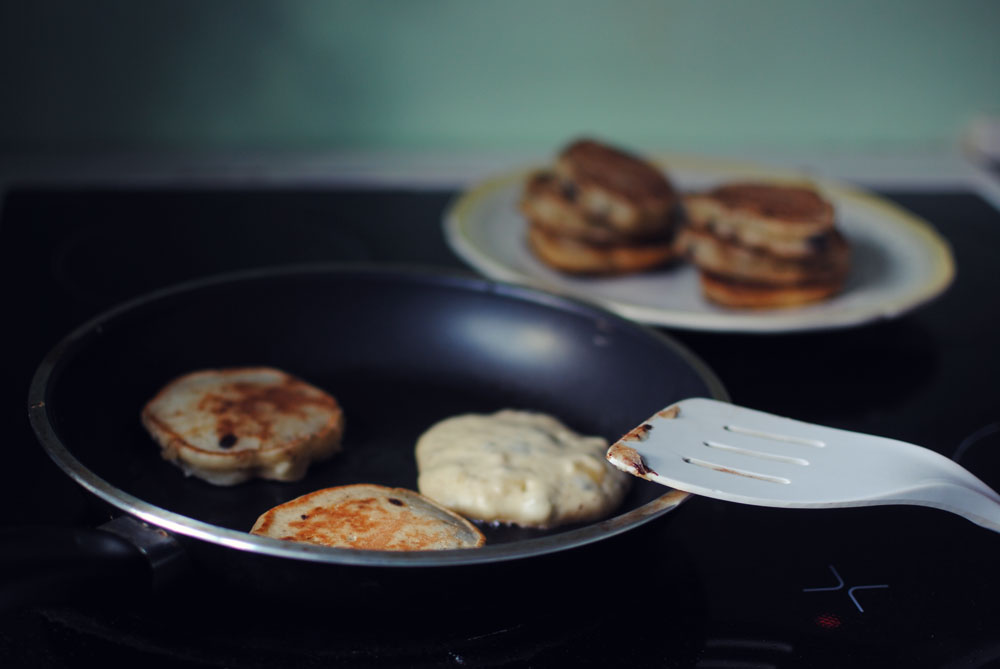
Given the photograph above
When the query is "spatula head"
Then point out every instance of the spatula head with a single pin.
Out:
(724, 451)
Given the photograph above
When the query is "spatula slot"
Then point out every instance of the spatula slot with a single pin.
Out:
(773, 436)
(774, 457)
(739, 472)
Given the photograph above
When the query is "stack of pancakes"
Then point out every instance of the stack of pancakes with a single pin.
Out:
(764, 245)
(600, 210)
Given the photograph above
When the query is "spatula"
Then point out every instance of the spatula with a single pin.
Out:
(721, 450)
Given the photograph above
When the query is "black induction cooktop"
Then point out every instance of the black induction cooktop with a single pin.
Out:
(710, 585)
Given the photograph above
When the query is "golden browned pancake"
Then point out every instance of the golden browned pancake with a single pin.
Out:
(230, 425)
(575, 256)
(630, 193)
(601, 211)
(724, 257)
(369, 517)
(748, 295)
(548, 204)
(790, 204)
(762, 245)
(781, 219)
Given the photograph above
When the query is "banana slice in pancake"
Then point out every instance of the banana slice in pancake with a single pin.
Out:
(369, 517)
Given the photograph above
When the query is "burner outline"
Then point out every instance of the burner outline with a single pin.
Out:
(850, 591)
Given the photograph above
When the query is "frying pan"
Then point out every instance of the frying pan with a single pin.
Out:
(401, 349)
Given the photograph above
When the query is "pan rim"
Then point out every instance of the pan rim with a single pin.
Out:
(243, 541)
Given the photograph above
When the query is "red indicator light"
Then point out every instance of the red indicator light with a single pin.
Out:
(828, 621)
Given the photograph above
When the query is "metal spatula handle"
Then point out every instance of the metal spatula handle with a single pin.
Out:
(721, 450)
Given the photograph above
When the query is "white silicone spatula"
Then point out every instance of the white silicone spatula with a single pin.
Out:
(721, 450)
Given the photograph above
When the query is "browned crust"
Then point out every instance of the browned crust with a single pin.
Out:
(788, 203)
(747, 295)
(244, 416)
(621, 190)
(575, 256)
(621, 456)
(360, 519)
(591, 163)
(638, 433)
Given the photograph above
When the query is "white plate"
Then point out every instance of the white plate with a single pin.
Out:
(898, 261)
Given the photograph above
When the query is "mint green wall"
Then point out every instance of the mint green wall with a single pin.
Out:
(454, 74)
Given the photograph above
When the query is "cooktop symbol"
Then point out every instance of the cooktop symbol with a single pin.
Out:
(851, 590)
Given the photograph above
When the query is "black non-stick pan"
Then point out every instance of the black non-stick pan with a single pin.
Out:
(400, 349)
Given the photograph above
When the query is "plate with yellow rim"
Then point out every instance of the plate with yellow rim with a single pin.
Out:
(898, 260)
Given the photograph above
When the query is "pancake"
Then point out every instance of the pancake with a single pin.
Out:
(600, 210)
(750, 295)
(781, 219)
(727, 258)
(518, 467)
(227, 426)
(632, 194)
(548, 204)
(762, 245)
(574, 256)
(369, 517)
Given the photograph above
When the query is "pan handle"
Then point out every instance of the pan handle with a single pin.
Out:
(124, 557)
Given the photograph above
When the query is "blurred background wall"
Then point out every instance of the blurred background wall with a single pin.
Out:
(471, 75)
